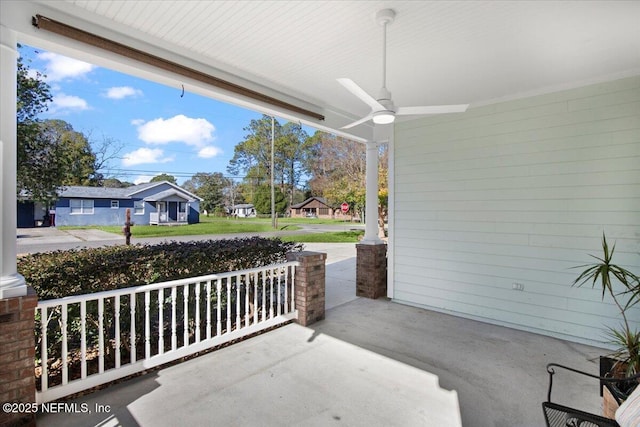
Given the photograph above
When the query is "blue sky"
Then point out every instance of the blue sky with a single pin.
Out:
(160, 131)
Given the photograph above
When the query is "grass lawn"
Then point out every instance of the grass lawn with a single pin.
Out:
(328, 237)
(216, 225)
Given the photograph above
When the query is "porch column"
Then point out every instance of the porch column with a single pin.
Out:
(17, 346)
(371, 203)
(11, 283)
(371, 253)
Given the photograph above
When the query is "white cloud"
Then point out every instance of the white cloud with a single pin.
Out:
(142, 179)
(65, 103)
(137, 122)
(179, 128)
(145, 155)
(209, 152)
(60, 67)
(120, 92)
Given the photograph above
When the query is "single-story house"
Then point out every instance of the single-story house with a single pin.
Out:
(244, 210)
(316, 207)
(153, 203)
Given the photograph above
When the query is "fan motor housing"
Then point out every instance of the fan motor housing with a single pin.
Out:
(385, 16)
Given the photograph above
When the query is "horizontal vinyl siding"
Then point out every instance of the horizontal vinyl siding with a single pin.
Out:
(519, 193)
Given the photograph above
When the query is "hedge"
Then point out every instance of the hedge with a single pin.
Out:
(80, 271)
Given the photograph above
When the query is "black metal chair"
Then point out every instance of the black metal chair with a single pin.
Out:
(557, 415)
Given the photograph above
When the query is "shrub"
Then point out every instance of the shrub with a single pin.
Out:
(74, 272)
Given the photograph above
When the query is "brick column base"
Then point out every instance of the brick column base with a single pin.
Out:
(17, 354)
(310, 285)
(371, 271)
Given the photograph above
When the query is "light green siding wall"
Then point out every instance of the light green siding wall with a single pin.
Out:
(518, 193)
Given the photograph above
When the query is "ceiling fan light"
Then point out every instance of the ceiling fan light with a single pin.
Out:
(383, 117)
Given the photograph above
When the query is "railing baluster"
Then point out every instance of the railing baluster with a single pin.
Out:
(65, 348)
(83, 339)
(218, 307)
(278, 274)
(43, 349)
(132, 303)
(256, 275)
(117, 331)
(185, 316)
(285, 272)
(147, 325)
(238, 317)
(264, 296)
(247, 291)
(100, 335)
(208, 288)
(292, 269)
(174, 338)
(160, 320)
(272, 276)
(197, 289)
(228, 282)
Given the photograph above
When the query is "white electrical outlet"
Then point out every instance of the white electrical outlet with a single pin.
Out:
(518, 286)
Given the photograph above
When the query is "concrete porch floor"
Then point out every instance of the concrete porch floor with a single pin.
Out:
(369, 363)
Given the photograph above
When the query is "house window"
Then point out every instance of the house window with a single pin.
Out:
(138, 207)
(81, 207)
(115, 204)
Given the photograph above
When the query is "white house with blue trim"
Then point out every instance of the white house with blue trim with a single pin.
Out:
(155, 203)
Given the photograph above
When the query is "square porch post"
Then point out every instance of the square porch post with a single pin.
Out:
(17, 301)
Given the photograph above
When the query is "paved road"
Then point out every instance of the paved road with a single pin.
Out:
(47, 239)
(340, 262)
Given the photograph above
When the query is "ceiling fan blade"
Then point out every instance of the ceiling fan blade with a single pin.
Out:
(352, 87)
(432, 109)
(357, 122)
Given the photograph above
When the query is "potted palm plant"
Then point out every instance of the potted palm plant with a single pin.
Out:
(624, 361)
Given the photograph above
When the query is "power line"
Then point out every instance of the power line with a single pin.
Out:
(131, 172)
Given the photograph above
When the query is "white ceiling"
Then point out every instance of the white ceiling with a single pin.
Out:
(439, 52)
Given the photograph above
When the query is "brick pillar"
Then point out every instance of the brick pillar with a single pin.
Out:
(371, 270)
(17, 354)
(310, 285)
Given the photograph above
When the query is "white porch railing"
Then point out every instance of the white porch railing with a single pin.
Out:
(88, 340)
(156, 218)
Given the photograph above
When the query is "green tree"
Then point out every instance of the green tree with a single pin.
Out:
(33, 95)
(252, 157)
(291, 157)
(50, 154)
(164, 177)
(116, 183)
(75, 156)
(338, 173)
(210, 187)
(262, 200)
(53, 157)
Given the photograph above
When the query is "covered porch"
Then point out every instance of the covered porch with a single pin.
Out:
(369, 362)
(171, 210)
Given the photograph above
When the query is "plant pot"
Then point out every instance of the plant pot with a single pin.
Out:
(610, 368)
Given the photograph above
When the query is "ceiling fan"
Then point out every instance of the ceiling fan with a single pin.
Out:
(383, 111)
